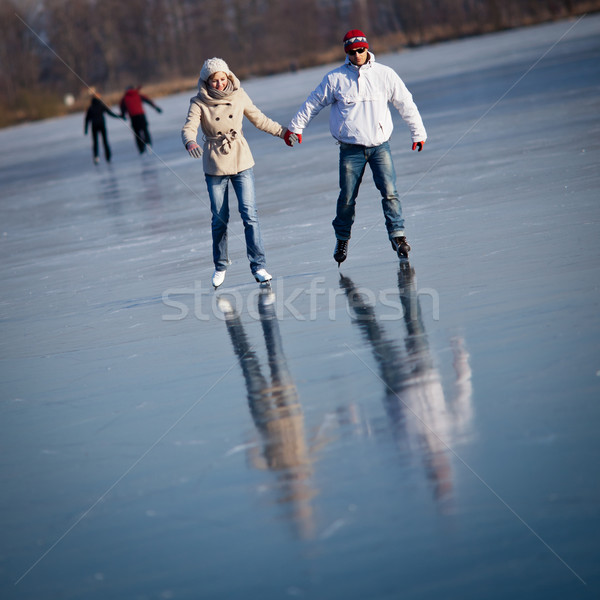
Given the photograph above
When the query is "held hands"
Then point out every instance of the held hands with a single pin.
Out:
(291, 138)
(194, 150)
(418, 145)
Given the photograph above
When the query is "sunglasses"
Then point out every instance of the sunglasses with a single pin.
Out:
(357, 51)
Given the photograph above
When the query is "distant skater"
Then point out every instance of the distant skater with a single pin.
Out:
(360, 120)
(132, 103)
(219, 109)
(95, 116)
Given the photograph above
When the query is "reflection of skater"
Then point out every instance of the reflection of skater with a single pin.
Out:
(219, 109)
(360, 120)
(95, 116)
(132, 103)
(414, 400)
(276, 412)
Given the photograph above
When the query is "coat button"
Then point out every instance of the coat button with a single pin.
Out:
(218, 119)
(231, 116)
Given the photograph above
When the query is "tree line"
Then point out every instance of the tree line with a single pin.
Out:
(50, 48)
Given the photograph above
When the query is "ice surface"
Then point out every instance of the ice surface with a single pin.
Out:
(381, 431)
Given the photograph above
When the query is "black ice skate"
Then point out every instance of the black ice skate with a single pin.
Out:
(341, 251)
(401, 246)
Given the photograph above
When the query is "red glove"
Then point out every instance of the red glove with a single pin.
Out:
(194, 150)
(291, 138)
(418, 145)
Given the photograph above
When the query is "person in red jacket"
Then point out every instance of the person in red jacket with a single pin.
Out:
(132, 103)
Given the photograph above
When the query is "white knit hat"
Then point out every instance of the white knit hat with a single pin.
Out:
(213, 65)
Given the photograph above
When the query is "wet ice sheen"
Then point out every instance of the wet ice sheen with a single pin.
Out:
(380, 431)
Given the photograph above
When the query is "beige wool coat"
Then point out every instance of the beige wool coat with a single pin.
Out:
(226, 151)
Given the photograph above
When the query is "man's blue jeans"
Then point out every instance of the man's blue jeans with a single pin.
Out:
(218, 191)
(353, 160)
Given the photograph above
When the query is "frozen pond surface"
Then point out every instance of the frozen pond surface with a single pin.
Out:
(382, 431)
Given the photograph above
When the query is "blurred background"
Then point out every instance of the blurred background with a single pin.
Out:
(51, 51)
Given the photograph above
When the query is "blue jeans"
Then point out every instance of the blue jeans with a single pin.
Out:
(218, 191)
(353, 160)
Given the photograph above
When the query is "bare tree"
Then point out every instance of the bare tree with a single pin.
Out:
(19, 55)
(111, 43)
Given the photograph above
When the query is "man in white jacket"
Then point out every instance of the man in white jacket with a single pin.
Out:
(360, 120)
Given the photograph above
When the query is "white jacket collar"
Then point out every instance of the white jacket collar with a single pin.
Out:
(368, 64)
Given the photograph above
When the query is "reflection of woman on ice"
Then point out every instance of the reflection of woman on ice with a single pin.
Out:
(218, 109)
(95, 116)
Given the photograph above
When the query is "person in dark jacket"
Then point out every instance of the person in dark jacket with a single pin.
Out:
(132, 103)
(95, 116)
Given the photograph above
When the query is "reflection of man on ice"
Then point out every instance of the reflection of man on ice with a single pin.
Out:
(415, 403)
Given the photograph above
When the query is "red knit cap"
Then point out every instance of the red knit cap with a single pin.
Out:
(355, 38)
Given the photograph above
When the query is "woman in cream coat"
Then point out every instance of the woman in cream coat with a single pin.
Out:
(218, 109)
